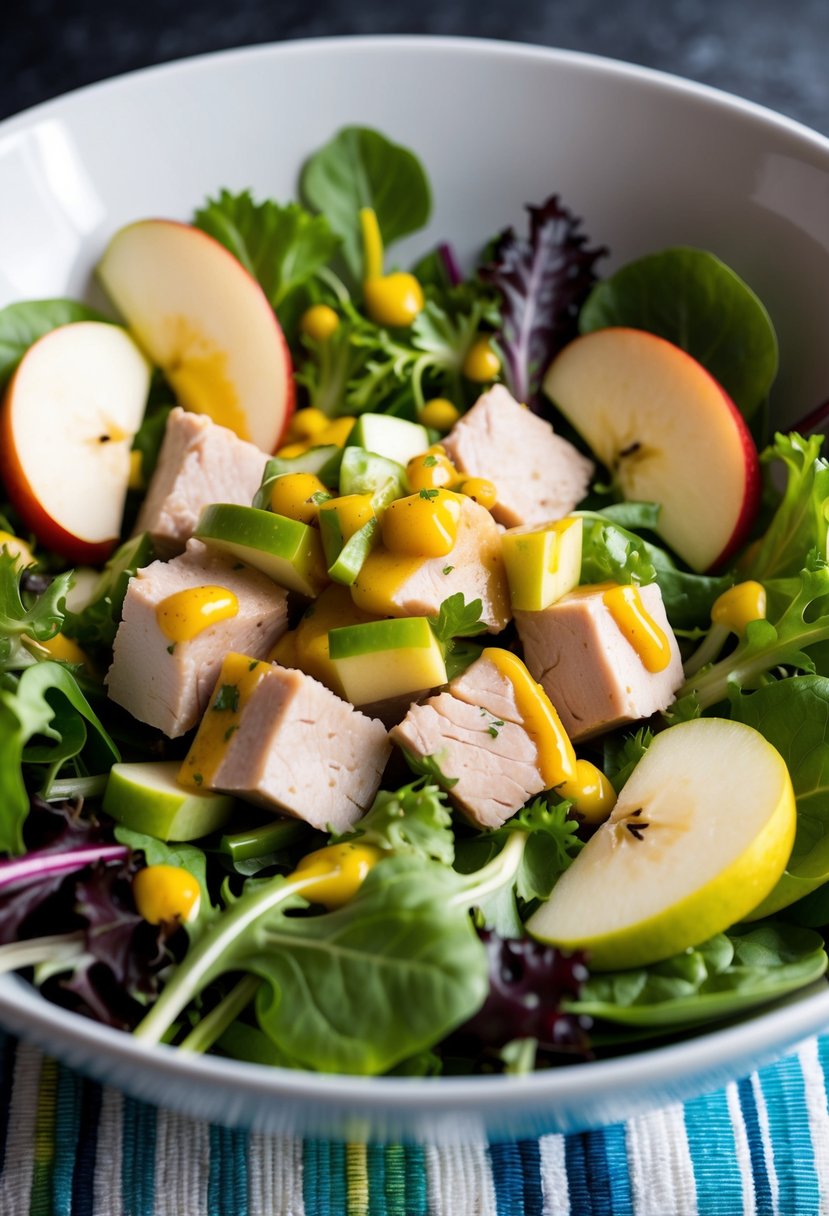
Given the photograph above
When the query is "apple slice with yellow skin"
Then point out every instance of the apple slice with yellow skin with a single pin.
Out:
(205, 321)
(699, 836)
(667, 432)
(66, 428)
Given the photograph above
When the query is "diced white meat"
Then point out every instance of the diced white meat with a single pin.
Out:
(588, 668)
(167, 685)
(474, 567)
(538, 475)
(301, 750)
(199, 463)
(476, 733)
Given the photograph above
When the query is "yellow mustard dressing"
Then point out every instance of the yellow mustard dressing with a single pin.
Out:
(439, 413)
(319, 322)
(423, 524)
(739, 605)
(339, 870)
(624, 603)
(480, 490)
(391, 299)
(297, 496)
(306, 647)
(66, 650)
(165, 893)
(238, 679)
(380, 579)
(352, 511)
(431, 470)
(198, 373)
(184, 615)
(481, 363)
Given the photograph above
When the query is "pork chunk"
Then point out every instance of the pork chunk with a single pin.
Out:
(293, 746)
(389, 585)
(589, 669)
(168, 685)
(538, 475)
(476, 732)
(199, 463)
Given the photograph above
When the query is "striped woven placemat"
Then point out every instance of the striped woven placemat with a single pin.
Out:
(71, 1147)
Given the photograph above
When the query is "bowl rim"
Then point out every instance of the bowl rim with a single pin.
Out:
(759, 1033)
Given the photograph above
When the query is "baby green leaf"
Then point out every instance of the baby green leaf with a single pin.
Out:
(694, 300)
(413, 819)
(22, 324)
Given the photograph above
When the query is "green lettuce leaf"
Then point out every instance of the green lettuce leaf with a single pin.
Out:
(727, 975)
(360, 168)
(39, 617)
(22, 324)
(413, 819)
(793, 715)
(694, 300)
(801, 522)
(96, 625)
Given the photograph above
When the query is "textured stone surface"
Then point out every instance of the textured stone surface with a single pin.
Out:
(761, 49)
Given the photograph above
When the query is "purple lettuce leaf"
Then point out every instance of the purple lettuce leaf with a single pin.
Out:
(528, 982)
(542, 280)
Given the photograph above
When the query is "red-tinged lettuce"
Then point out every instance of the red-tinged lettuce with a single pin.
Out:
(528, 985)
(542, 281)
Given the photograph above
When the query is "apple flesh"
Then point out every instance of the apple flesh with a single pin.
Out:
(206, 323)
(146, 797)
(286, 550)
(699, 836)
(379, 660)
(542, 564)
(67, 424)
(395, 438)
(668, 434)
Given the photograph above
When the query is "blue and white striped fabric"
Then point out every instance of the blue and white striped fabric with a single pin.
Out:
(70, 1147)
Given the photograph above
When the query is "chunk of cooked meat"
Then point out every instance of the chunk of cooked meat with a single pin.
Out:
(199, 463)
(477, 735)
(588, 668)
(165, 684)
(538, 475)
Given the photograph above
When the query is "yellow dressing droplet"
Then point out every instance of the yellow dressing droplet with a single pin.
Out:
(352, 511)
(556, 757)
(339, 870)
(319, 322)
(165, 893)
(306, 423)
(198, 373)
(430, 470)
(394, 300)
(184, 615)
(238, 680)
(624, 603)
(740, 605)
(372, 243)
(295, 496)
(136, 477)
(481, 363)
(480, 491)
(439, 413)
(590, 791)
(423, 524)
(66, 650)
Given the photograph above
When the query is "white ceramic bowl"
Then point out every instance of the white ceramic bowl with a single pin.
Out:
(648, 161)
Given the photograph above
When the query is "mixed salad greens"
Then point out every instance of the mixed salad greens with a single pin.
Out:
(427, 967)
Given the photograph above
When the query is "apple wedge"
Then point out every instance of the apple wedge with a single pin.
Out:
(668, 434)
(699, 836)
(66, 428)
(205, 321)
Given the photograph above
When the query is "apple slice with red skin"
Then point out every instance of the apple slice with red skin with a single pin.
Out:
(205, 321)
(67, 423)
(667, 432)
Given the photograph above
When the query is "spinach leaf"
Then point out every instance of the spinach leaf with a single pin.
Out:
(352, 991)
(283, 247)
(694, 300)
(730, 973)
(793, 715)
(22, 324)
(44, 701)
(361, 168)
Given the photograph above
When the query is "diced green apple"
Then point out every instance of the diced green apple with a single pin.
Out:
(395, 438)
(364, 472)
(286, 550)
(542, 564)
(384, 659)
(146, 797)
(323, 461)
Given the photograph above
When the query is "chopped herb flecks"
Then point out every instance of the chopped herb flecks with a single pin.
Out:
(430, 462)
(427, 494)
(227, 698)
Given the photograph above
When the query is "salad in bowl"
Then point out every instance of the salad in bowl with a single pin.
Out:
(421, 671)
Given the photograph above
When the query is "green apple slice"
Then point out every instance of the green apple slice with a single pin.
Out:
(542, 564)
(147, 798)
(700, 834)
(383, 659)
(395, 438)
(286, 550)
(364, 472)
(322, 461)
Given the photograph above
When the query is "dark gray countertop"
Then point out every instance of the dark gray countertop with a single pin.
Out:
(772, 52)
